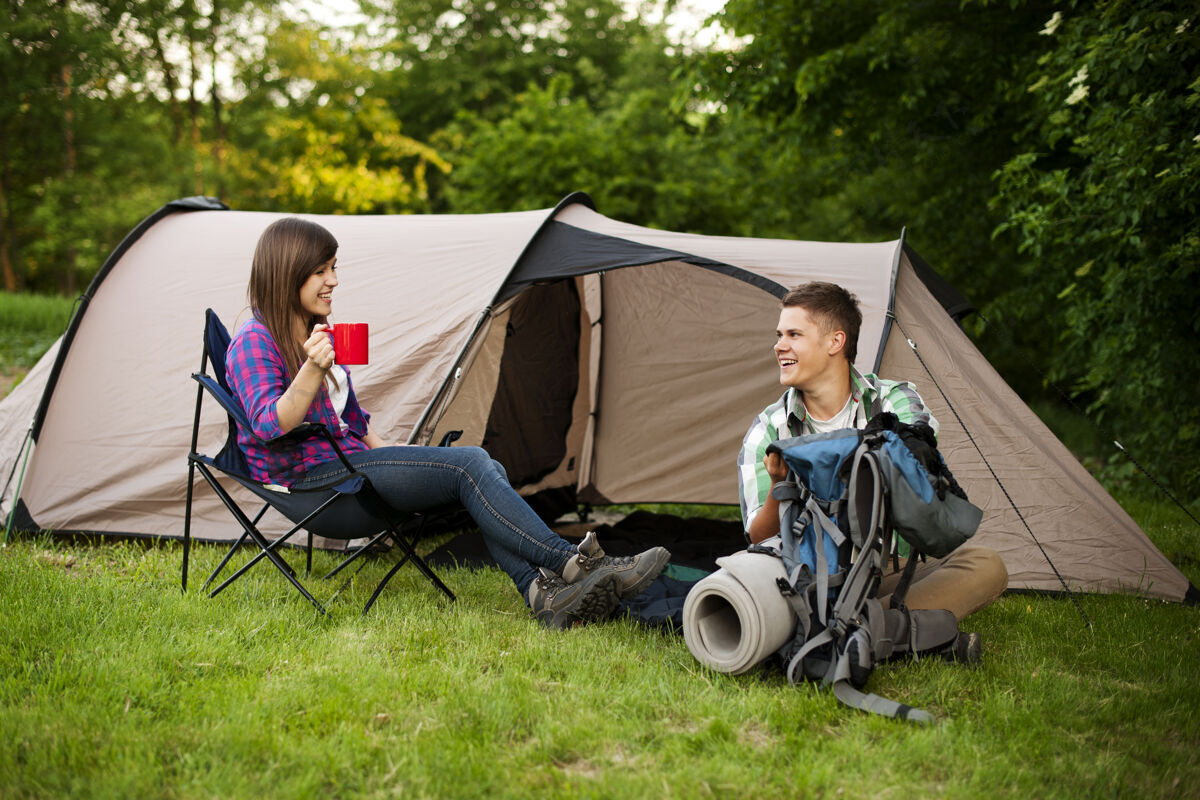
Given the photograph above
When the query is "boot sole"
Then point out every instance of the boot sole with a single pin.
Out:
(597, 600)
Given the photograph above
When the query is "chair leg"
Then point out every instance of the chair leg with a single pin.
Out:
(268, 549)
(187, 524)
(241, 540)
(360, 551)
(378, 589)
(410, 551)
(429, 573)
(408, 547)
(224, 561)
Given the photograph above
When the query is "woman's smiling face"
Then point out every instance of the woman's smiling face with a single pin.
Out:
(316, 293)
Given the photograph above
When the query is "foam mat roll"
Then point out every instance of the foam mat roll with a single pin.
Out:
(736, 617)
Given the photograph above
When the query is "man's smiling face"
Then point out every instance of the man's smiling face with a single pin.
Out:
(802, 350)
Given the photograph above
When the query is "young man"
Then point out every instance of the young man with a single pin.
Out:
(815, 347)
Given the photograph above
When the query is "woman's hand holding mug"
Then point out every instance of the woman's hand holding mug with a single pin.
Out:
(318, 347)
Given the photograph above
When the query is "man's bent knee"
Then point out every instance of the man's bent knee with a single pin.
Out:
(989, 576)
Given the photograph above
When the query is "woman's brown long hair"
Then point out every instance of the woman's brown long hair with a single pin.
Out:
(288, 251)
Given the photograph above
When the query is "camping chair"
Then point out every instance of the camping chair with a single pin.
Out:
(346, 509)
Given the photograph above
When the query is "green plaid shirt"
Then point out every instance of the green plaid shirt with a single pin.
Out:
(787, 417)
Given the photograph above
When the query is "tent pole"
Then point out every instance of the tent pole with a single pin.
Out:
(451, 378)
(25, 449)
(891, 307)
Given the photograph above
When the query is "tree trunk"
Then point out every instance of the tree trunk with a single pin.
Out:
(194, 110)
(10, 276)
(68, 283)
(214, 26)
(172, 84)
(6, 265)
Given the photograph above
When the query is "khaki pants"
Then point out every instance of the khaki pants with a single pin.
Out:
(963, 582)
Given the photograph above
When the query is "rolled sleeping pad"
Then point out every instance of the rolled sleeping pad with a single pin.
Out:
(736, 617)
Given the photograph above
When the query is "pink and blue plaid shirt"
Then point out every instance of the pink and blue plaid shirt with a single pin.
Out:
(258, 378)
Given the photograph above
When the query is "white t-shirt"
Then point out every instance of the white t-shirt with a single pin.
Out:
(339, 392)
(840, 420)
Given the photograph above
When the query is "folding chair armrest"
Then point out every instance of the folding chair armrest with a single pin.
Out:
(307, 430)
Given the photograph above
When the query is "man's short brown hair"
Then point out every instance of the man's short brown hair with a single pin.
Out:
(832, 308)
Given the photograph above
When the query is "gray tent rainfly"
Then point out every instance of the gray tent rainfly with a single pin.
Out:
(613, 362)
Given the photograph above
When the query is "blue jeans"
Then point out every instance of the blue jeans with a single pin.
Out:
(418, 478)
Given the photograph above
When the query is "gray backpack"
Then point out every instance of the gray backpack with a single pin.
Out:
(846, 494)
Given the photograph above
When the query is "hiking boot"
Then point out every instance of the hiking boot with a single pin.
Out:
(558, 604)
(633, 573)
(967, 648)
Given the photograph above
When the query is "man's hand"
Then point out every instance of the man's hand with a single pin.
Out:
(776, 467)
(766, 521)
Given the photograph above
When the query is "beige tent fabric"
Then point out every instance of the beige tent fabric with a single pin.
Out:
(675, 361)
(864, 269)
(1084, 531)
(687, 364)
(112, 454)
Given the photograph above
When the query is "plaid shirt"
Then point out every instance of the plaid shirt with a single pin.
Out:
(786, 417)
(258, 379)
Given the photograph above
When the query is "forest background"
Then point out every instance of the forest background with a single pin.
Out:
(1044, 156)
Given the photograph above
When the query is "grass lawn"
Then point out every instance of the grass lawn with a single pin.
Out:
(114, 684)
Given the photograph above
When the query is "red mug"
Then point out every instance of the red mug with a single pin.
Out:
(349, 342)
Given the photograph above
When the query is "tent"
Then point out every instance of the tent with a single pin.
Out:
(605, 360)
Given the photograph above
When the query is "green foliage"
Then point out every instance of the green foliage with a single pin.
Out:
(29, 325)
(448, 56)
(640, 149)
(890, 116)
(899, 109)
(66, 137)
(1105, 202)
(312, 135)
(1044, 157)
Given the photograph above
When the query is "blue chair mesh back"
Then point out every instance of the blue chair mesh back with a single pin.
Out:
(216, 342)
(231, 459)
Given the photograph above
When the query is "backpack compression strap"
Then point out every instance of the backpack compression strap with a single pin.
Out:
(798, 506)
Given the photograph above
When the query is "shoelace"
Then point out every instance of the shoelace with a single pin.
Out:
(551, 585)
(591, 562)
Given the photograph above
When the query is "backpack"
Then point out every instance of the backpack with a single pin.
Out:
(846, 494)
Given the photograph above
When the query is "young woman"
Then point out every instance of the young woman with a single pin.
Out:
(280, 366)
